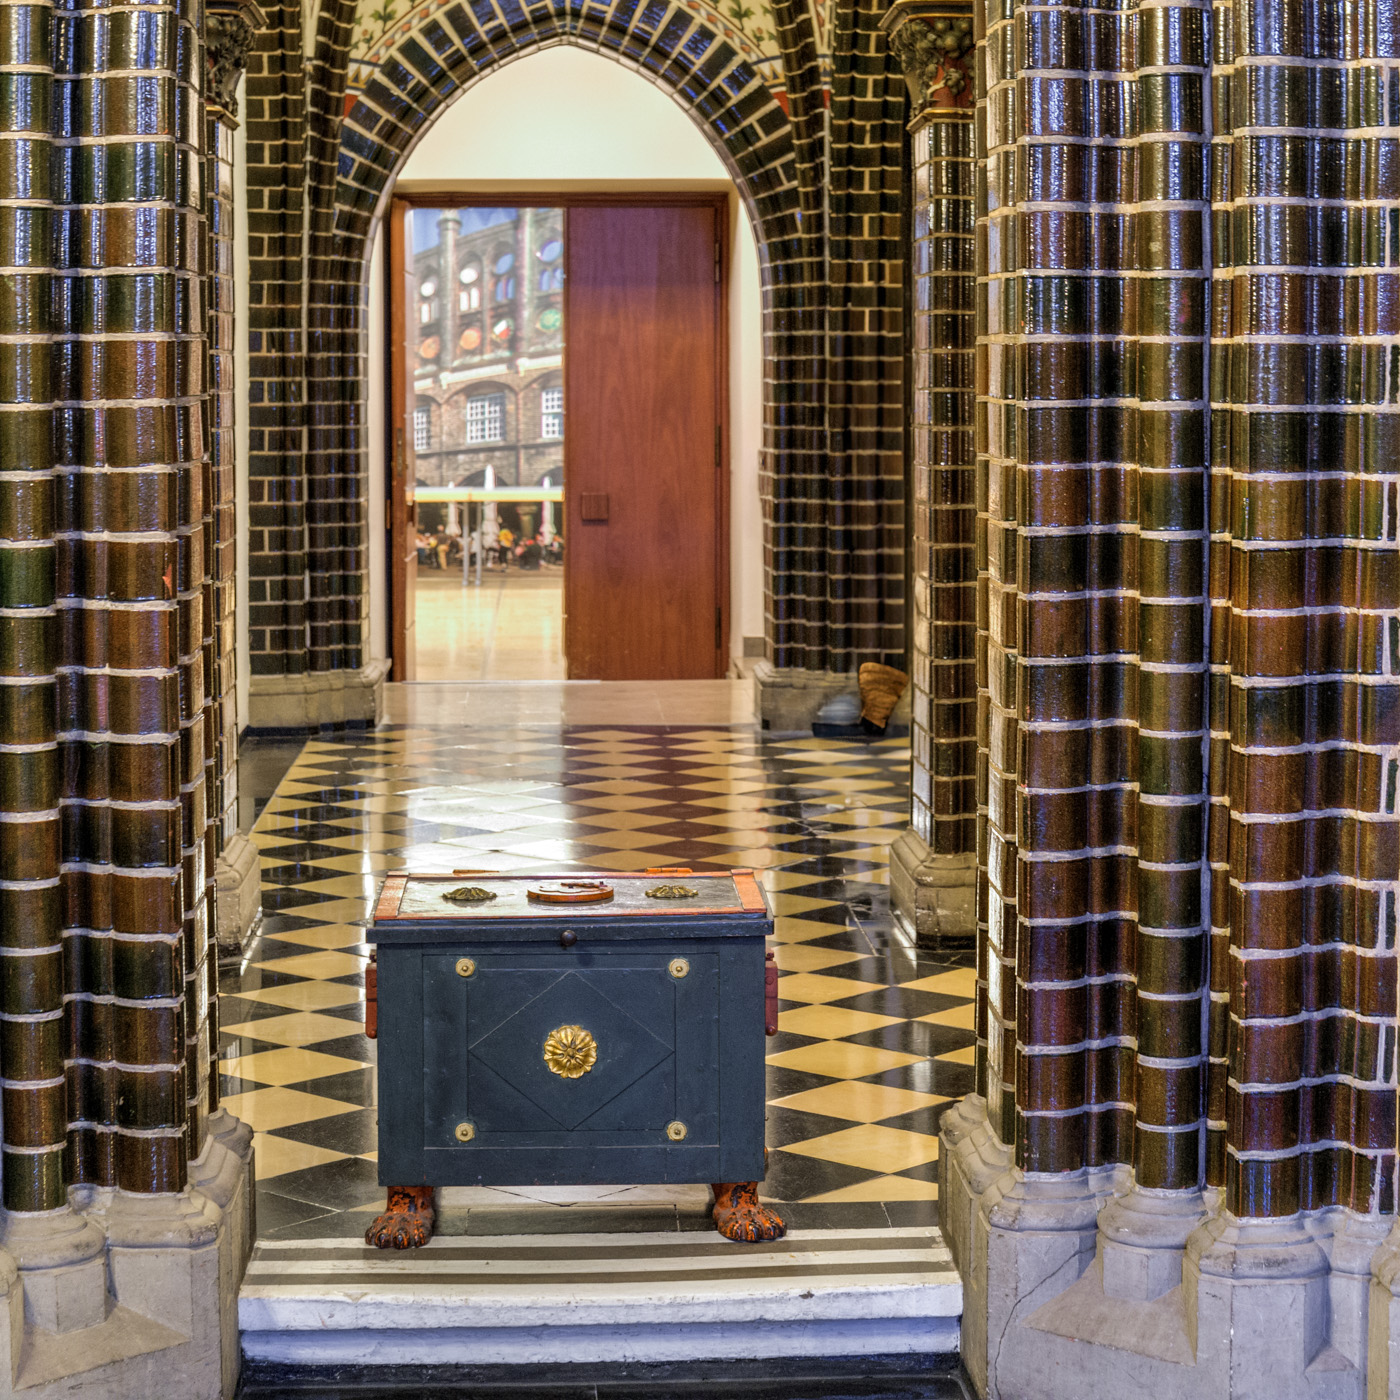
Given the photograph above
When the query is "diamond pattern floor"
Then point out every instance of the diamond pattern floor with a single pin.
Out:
(875, 1039)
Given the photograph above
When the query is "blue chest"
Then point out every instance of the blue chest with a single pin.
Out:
(524, 1042)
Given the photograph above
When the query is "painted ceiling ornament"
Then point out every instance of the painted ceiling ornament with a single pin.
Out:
(936, 58)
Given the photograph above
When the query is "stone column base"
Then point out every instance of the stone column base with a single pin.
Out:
(237, 895)
(934, 896)
(163, 1322)
(318, 699)
(787, 701)
(1087, 1287)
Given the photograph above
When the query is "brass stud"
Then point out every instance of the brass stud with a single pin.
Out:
(464, 1132)
(679, 967)
(465, 967)
(676, 1131)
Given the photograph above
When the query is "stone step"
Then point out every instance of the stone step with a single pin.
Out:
(598, 1297)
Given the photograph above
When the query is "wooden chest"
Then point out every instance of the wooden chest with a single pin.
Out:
(524, 1042)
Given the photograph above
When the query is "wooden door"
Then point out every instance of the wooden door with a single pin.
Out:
(400, 513)
(645, 538)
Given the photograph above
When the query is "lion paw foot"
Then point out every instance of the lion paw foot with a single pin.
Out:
(739, 1215)
(407, 1221)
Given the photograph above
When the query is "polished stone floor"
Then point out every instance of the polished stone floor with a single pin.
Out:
(875, 1038)
(508, 628)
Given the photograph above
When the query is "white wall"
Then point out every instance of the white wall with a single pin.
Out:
(564, 117)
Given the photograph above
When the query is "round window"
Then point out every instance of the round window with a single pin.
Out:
(428, 288)
(469, 274)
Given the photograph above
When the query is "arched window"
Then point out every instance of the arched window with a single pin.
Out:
(469, 293)
(422, 428)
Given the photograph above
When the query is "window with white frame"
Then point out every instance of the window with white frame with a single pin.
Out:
(552, 412)
(422, 429)
(486, 416)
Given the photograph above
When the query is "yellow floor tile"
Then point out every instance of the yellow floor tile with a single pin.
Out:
(339, 911)
(298, 1028)
(958, 1017)
(873, 817)
(787, 929)
(319, 965)
(840, 1059)
(871, 1148)
(265, 1109)
(306, 996)
(630, 803)
(813, 987)
(966, 1056)
(619, 821)
(882, 1188)
(327, 936)
(960, 982)
(860, 1102)
(289, 1066)
(831, 1022)
(793, 957)
(623, 840)
(276, 1156)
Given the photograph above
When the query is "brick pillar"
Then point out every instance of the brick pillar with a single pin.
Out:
(230, 26)
(932, 865)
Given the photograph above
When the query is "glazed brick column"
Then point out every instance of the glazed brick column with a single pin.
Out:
(1308, 413)
(998, 613)
(793, 480)
(933, 865)
(864, 615)
(1171, 292)
(230, 26)
(275, 120)
(131, 453)
(336, 524)
(32, 1020)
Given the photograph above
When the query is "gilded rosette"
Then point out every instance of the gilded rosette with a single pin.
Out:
(570, 1051)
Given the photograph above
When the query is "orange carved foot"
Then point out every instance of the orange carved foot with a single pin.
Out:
(740, 1216)
(407, 1221)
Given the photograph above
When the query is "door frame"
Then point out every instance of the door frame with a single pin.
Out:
(560, 198)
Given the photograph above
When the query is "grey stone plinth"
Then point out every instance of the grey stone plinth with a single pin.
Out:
(786, 701)
(970, 1158)
(1178, 1300)
(934, 896)
(237, 894)
(318, 699)
(1142, 1235)
(1383, 1333)
(62, 1269)
(169, 1267)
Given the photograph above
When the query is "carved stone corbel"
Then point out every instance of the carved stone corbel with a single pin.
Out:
(934, 43)
(229, 29)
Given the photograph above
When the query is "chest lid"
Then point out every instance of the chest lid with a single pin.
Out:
(635, 904)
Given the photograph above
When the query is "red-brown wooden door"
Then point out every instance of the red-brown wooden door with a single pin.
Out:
(400, 511)
(645, 538)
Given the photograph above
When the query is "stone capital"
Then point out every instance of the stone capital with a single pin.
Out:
(934, 43)
(229, 29)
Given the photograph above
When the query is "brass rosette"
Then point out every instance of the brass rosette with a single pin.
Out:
(570, 1051)
(469, 894)
(671, 892)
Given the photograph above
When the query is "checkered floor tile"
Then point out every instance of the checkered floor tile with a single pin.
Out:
(875, 1039)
